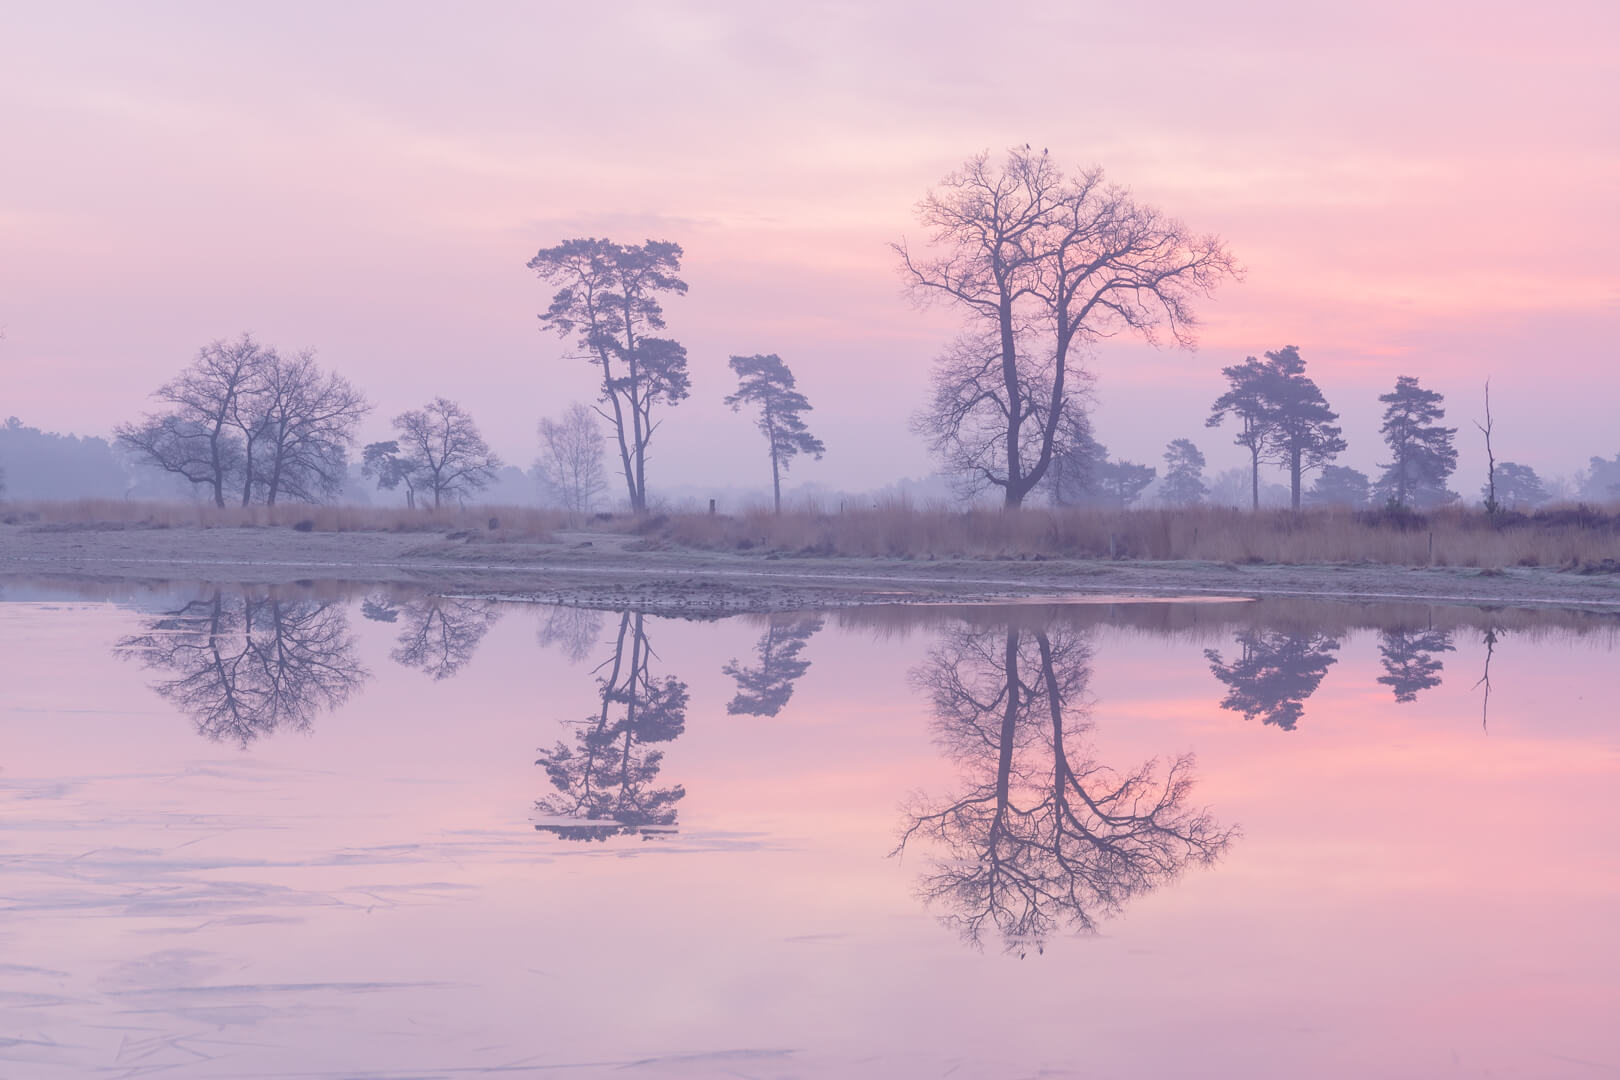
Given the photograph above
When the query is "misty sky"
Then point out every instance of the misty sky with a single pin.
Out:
(1427, 189)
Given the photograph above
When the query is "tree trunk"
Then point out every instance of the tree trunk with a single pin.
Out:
(1254, 476)
(1294, 469)
(776, 480)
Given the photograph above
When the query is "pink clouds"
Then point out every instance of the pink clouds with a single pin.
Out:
(1400, 182)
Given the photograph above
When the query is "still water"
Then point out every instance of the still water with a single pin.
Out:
(339, 833)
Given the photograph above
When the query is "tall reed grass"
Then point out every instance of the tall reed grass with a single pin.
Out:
(1576, 537)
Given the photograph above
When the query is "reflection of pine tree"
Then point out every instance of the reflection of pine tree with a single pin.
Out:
(1040, 835)
(441, 633)
(246, 665)
(1273, 674)
(763, 690)
(1410, 664)
(607, 776)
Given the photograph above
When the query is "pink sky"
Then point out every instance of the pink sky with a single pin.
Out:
(1428, 192)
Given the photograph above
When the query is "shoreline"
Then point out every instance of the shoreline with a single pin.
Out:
(607, 570)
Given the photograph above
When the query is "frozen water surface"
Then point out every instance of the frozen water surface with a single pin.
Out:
(340, 833)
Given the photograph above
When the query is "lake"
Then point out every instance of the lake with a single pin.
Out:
(339, 832)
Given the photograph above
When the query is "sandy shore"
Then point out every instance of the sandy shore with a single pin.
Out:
(607, 570)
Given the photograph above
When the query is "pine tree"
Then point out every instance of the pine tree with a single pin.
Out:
(1423, 450)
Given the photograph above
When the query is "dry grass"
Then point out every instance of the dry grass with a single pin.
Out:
(1570, 538)
(510, 522)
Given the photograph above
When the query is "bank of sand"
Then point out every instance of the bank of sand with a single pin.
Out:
(613, 570)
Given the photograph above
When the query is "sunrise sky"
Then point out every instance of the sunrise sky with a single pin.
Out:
(1426, 189)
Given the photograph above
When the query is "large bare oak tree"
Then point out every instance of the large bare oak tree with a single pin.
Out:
(1042, 265)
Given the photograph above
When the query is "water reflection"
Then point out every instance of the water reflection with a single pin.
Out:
(440, 633)
(574, 630)
(1409, 661)
(764, 688)
(606, 781)
(1040, 835)
(245, 665)
(1274, 673)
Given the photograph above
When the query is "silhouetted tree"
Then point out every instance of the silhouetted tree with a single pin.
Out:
(441, 633)
(607, 777)
(1183, 474)
(1423, 450)
(391, 467)
(765, 383)
(1273, 674)
(199, 437)
(1077, 473)
(1041, 265)
(1517, 487)
(763, 690)
(608, 295)
(571, 458)
(1301, 435)
(1339, 485)
(1409, 660)
(305, 419)
(447, 455)
(1122, 482)
(1040, 835)
(246, 664)
(1247, 402)
(1600, 480)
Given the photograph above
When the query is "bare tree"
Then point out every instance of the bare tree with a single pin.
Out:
(441, 633)
(1042, 265)
(448, 456)
(246, 664)
(306, 420)
(1039, 834)
(199, 437)
(766, 382)
(1492, 506)
(609, 297)
(571, 458)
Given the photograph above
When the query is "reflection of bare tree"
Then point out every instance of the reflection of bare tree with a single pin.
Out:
(247, 665)
(1410, 664)
(1273, 674)
(607, 778)
(763, 690)
(1492, 636)
(441, 633)
(573, 629)
(1040, 835)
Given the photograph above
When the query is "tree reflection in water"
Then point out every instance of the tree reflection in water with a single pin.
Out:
(1040, 835)
(1274, 673)
(1410, 663)
(245, 665)
(762, 690)
(606, 781)
(441, 633)
(574, 630)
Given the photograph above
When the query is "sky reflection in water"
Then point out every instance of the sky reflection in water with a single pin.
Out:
(333, 833)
